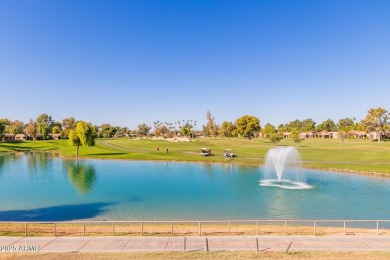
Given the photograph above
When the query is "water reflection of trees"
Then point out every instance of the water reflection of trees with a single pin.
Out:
(37, 160)
(80, 174)
(5, 159)
(206, 167)
(228, 168)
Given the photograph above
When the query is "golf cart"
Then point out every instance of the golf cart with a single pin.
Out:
(229, 153)
(205, 151)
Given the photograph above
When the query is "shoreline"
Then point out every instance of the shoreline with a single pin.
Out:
(374, 174)
(349, 171)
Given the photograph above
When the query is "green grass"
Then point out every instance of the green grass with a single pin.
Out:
(355, 155)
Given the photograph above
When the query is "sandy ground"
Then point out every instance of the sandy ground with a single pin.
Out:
(174, 139)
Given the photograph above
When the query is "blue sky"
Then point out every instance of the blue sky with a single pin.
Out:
(129, 62)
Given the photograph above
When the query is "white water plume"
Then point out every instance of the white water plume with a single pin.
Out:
(279, 161)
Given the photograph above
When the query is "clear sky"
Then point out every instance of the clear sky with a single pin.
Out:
(129, 62)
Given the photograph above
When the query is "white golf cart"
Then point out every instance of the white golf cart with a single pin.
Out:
(205, 151)
(229, 153)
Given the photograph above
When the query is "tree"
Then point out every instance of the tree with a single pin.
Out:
(268, 130)
(342, 132)
(106, 130)
(56, 130)
(116, 131)
(157, 127)
(344, 126)
(376, 120)
(44, 125)
(122, 132)
(275, 138)
(95, 129)
(185, 131)
(164, 130)
(14, 127)
(295, 135)
(360, 126)
(306, 125)
(32, 129)
(211, 125)
(4, 122)
(205, 131)
(282, 128)
(83, 135)
(248, 125)
(293, 124)
(67, 124)
(328, 125)
(143, 129)
(227, 129)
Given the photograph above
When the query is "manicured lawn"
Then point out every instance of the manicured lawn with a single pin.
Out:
(358, 155)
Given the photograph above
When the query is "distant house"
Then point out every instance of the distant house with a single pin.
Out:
(262, 135)
(198, 134)
(357, 134)
(327, 134)
(324, 134)
(374, 135)
(55, 136)
(8, 137)
(311, 134)
(21, 137)
(286, 134)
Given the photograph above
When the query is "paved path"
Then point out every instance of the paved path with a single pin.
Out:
(194, 243)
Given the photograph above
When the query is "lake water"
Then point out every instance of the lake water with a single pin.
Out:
(40, 187)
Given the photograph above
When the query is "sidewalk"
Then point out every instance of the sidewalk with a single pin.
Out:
(194, 243)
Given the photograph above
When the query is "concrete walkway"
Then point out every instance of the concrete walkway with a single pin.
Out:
(194, 243)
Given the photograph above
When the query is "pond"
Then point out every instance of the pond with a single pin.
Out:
(43, 187)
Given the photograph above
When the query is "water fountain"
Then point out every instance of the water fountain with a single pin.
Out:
(282, 160)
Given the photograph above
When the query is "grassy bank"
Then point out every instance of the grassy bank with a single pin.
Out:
(353, 155)
(187, 229)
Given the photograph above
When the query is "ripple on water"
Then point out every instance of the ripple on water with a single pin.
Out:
(285, 184)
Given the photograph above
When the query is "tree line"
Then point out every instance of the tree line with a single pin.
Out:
(44, 127)
(376, 120)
